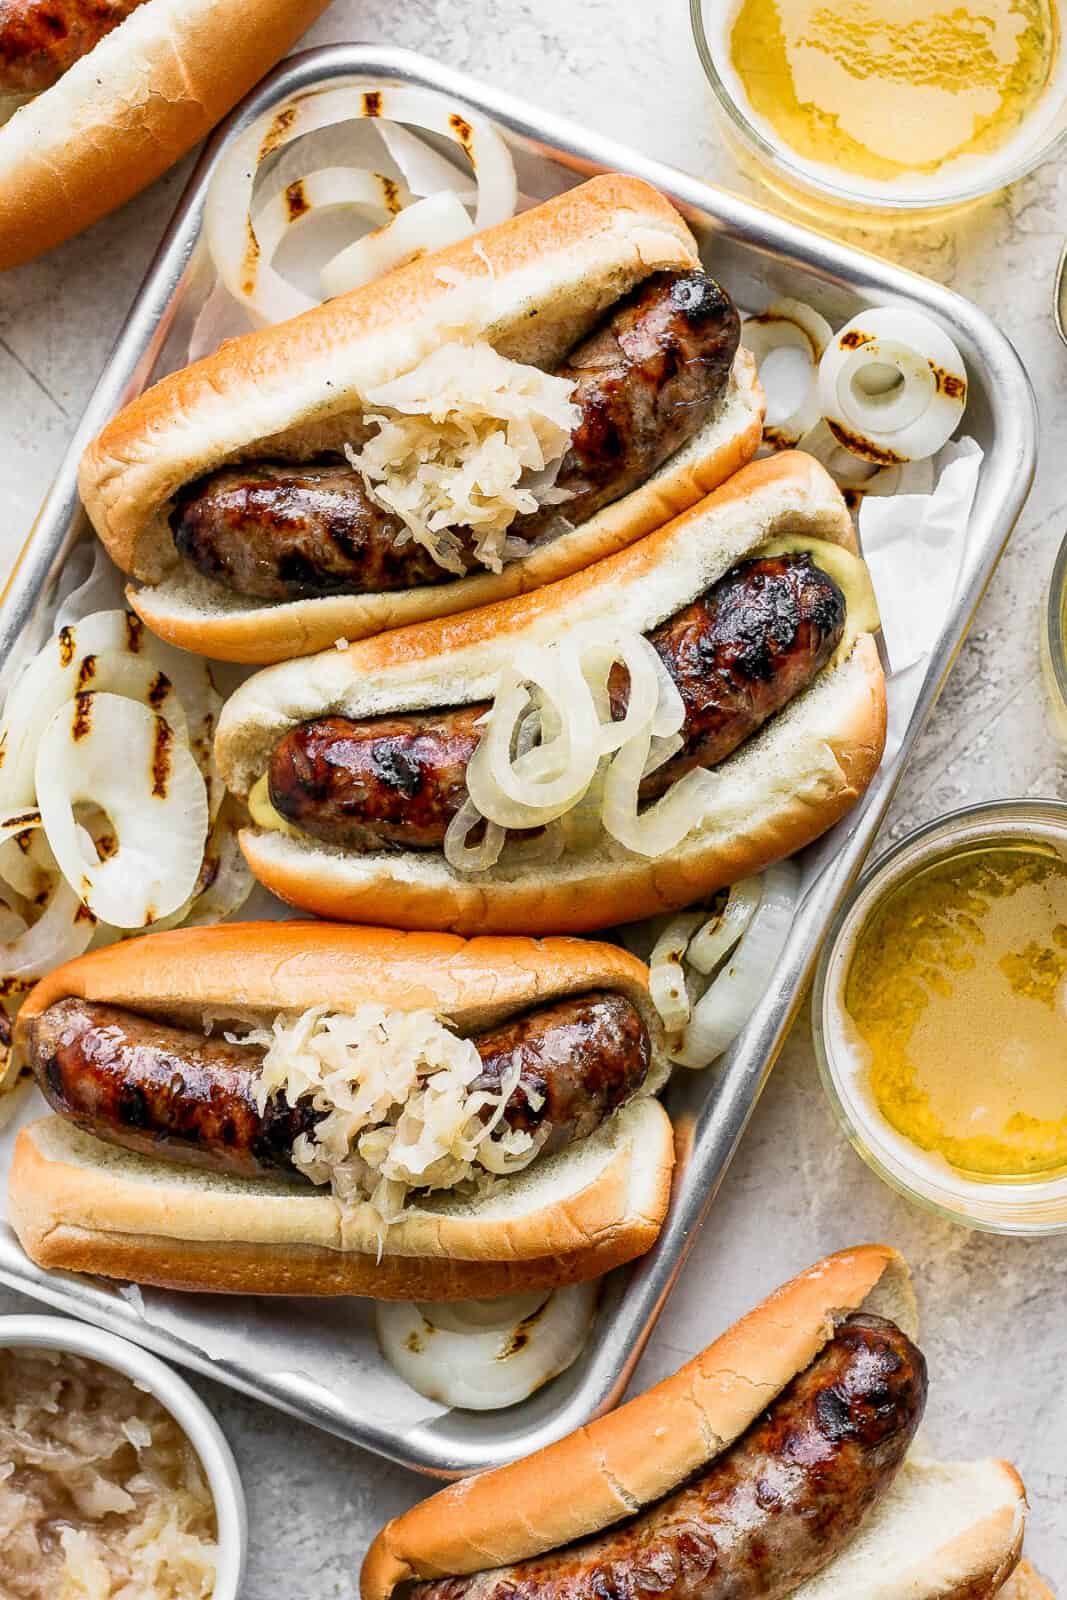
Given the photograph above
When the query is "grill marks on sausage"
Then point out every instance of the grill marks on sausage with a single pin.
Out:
(40, 40)
(296, 533)
(391, 781)
(580, 1060)
(162, 1090)
(770, 1512)
(738, 656)
(645, 382)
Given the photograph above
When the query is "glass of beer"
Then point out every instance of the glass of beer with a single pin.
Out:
(886, 107)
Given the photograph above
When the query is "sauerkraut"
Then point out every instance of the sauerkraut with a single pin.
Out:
(466, 440)
(102, 1496)
(400, 1109)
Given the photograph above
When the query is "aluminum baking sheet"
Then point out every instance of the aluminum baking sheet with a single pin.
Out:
(317, 1359)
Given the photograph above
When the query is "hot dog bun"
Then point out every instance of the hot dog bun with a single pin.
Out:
(952, 1532)
(80, 1205)
(780, 790)
(130, 108)
(545, 279)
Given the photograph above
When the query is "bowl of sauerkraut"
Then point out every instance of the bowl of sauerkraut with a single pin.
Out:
(115, 1480)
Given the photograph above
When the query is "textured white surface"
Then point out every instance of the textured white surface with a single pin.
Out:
(995, 1312)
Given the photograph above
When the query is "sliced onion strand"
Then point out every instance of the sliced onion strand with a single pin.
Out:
(722, 930)
(733, 995)
(666, 971)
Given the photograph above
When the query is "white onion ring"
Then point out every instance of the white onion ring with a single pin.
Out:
(666, 970)
(565, 685)
(201, 703)
(847, 470)
(892, 386)
(428, 224)
(724, 928)
(732, 996)
(113, 753)
(476, 857)
(236, 249)
(105, 651)
(224, 881)
(661, 827)
(27, 866)
(540, 785)
(13, 824)
(426, 170)
(61, 932)
(368, 196)
(482, 1355)
(797, 332)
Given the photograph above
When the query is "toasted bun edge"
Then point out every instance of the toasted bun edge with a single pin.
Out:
(690, 1416)
(126, 112)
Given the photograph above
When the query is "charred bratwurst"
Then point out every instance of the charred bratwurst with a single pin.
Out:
(175, 1093)
(40, 40)
(738, 655)
(646, 381)
(770, 1512)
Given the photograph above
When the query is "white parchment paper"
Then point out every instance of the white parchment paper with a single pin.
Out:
(917, 552)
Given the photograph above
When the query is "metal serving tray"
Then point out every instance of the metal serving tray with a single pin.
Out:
(758, 255)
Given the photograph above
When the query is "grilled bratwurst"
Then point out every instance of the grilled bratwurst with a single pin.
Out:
(175, 1093)
(770, 1512)
(645, 382)
(741, 653)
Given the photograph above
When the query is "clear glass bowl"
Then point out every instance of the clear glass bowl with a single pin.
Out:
(1054, 645)
(1028, 1209)
(1044, 133)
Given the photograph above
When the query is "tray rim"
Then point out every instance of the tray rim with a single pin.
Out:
(1007, 475)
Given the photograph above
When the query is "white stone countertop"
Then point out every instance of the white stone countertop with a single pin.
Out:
(994, 1310)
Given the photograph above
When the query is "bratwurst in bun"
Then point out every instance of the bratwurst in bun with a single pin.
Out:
(289, 1108)
(478, 423)
(775, 1464)
(99, 97)
(671, 720)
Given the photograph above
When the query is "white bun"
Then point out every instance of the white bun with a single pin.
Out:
(293, 389)
(782, 789)
(80, 1205)
(951, 1532)
(130, 108)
